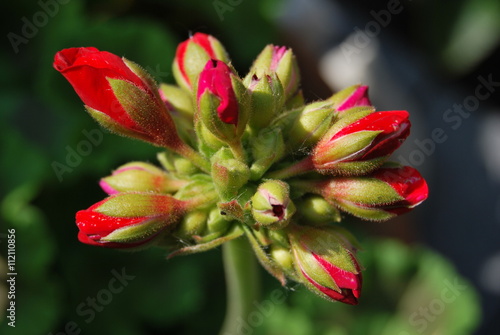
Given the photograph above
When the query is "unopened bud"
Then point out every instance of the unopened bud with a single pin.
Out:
(271, 205)
(192, 55)
(140, 177)
(228, 174)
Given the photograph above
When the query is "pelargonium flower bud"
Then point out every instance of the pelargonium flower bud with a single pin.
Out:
(385, 193)
(324, 259)
(316, 210)
(177, 166)
(222, 101)
(267, 148)
(271, 204)
(267, 99)
(192, 55)
(279, 60)
(140, 177)
(129, 220)
(192, 224)
(353, 96)
(312, 123)
(362, 146)
(120, 95)
(228, 174)
(177, 100)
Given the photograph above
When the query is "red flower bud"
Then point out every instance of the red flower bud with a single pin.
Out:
(118, 94)
(127, 220)
(192, 55)
(387, 192)
(362, 146)
(324, 260)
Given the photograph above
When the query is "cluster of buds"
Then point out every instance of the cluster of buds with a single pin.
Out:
(243, 156)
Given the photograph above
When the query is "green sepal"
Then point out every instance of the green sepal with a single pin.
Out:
(137, 232)
(344, 147)
(145, 109)
(312, 123)
(267, 100)
(107, 122)
(137, 204)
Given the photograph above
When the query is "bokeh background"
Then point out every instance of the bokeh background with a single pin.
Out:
(436, 271)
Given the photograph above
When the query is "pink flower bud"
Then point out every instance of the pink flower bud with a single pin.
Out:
(354, 96)
(223, 103)
(324, 260)
(387, 192)
(128, 220)
(362, 146)
(279, 60)
(216, 79)
(140, 177)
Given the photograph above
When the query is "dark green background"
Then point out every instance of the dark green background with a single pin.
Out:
(42, 120)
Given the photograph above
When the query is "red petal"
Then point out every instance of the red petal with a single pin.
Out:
(87, 70)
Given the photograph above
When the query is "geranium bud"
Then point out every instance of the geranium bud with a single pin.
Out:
(192, 224)
(217, 223)
(223, 102)
(176, 165)
(353, 96)
(312, 123)
(385, 193)
(140, 177)
(177, 100)
(362, 146)
(279, 60)
(192, 55)
(271, 204)
(119, 94)
(282, 256)
(316, 210)
(325, 262)
(267, 99)
(127, 220)
(228, 174)
(267, 148)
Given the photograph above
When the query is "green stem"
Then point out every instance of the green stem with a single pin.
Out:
(296, 169)
(242, 284)
(238, 151)
(194, 156)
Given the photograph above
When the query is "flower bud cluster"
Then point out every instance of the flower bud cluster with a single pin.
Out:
(243, 156)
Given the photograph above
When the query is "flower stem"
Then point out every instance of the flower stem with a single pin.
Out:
(238, 151)
(298, 168)
(242, 284)
(195, 157)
